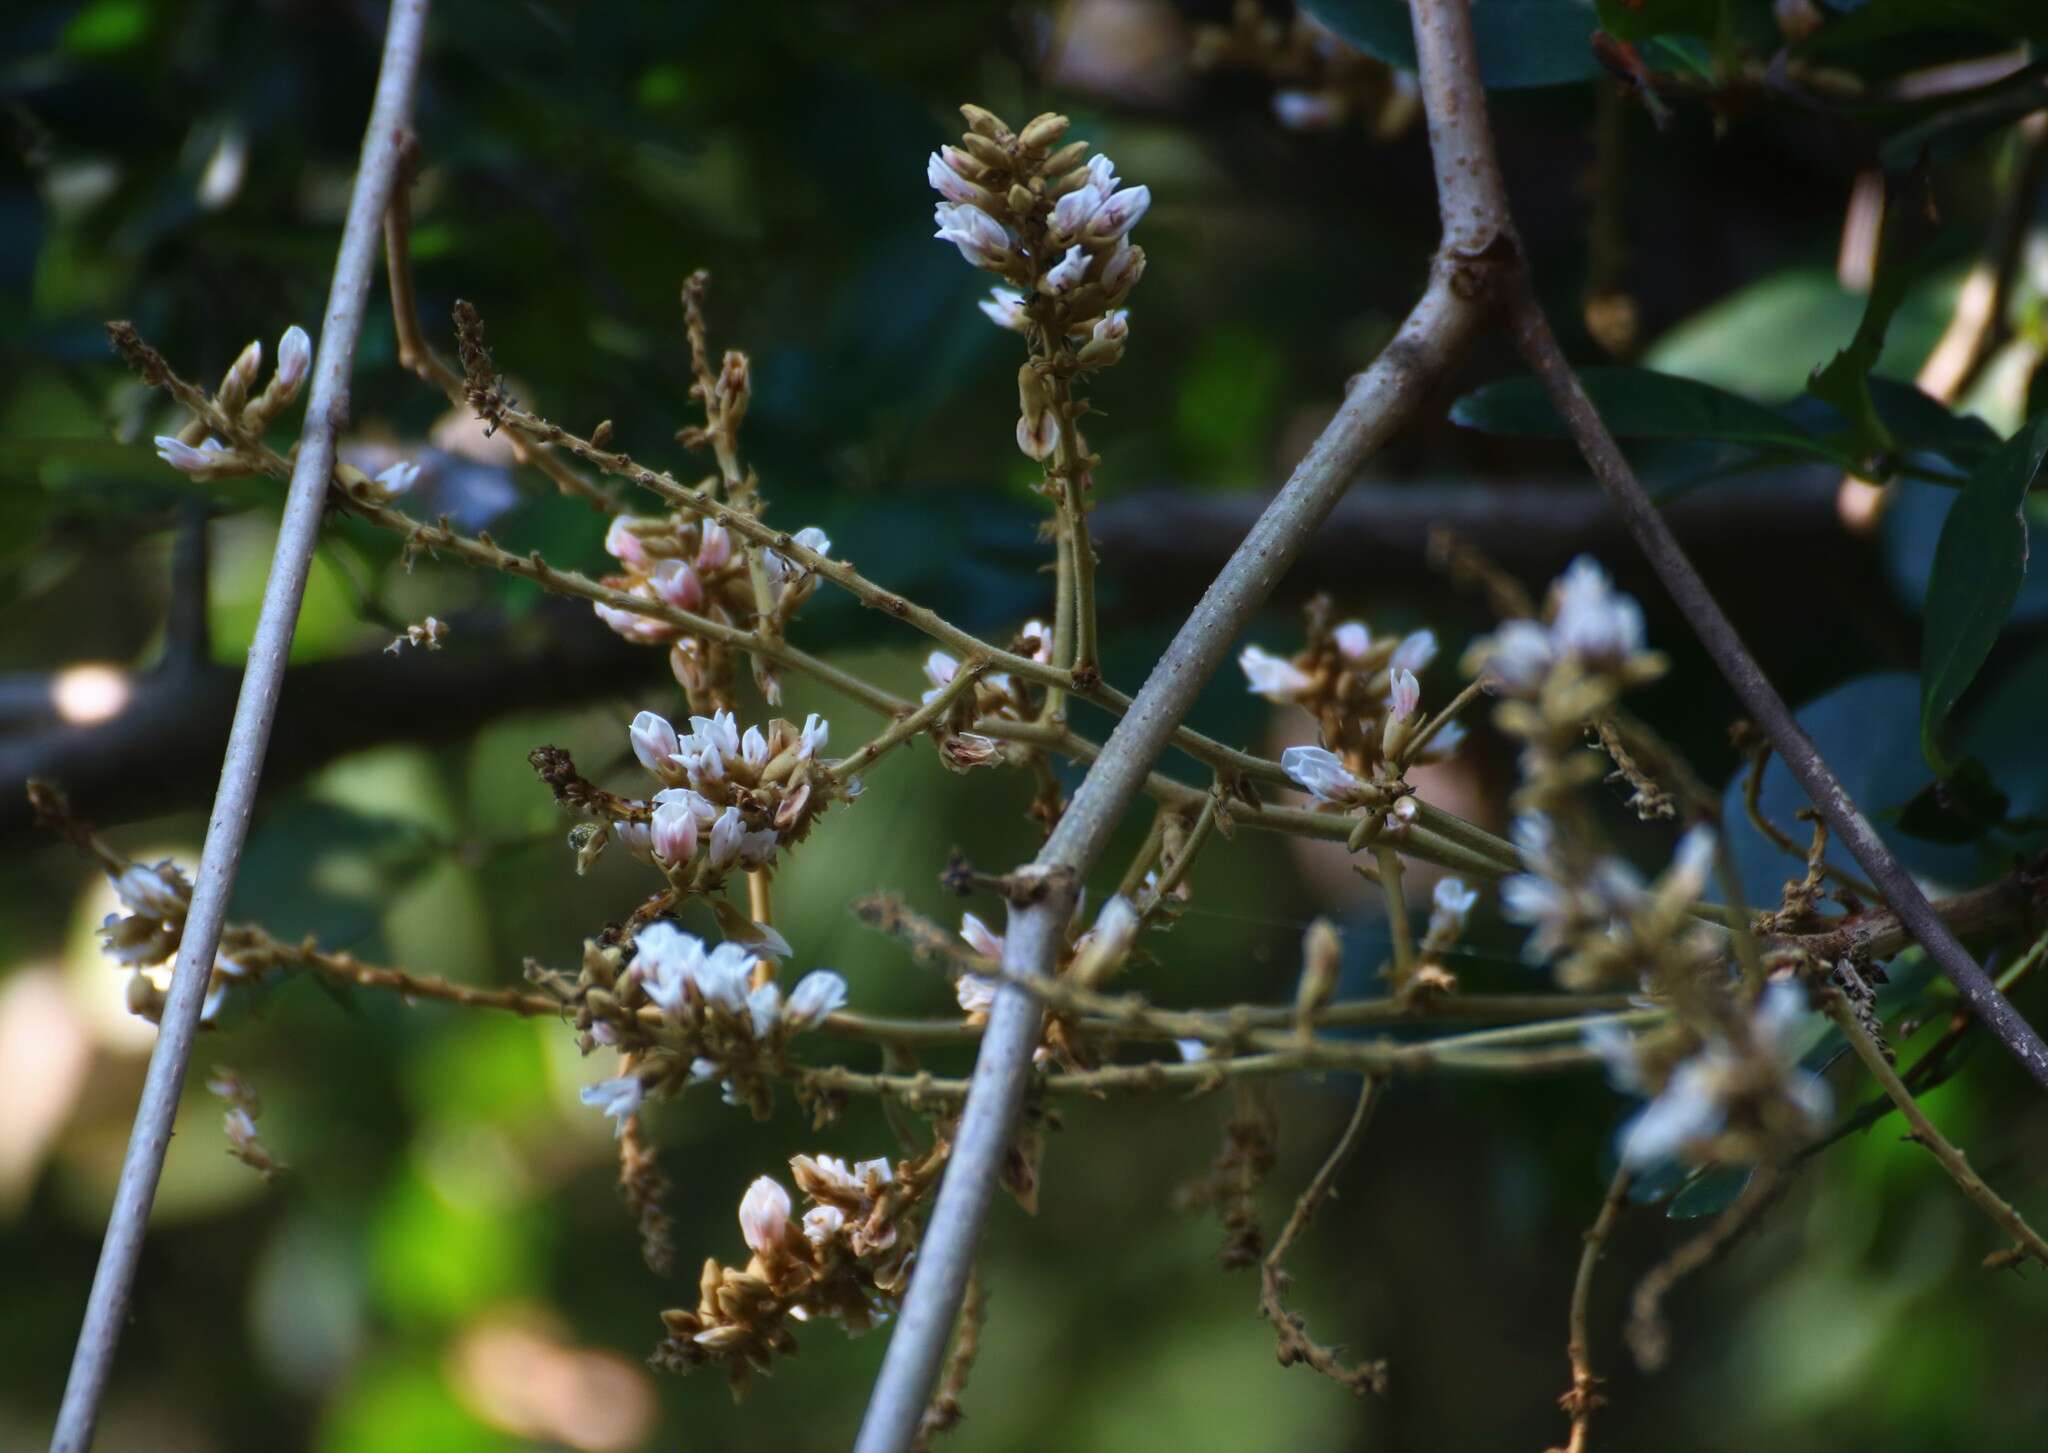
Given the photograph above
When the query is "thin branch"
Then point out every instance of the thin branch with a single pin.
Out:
(1475, 221)
(1584, 1396)
(1294, 1344)
(1952, 1160)
(326, 412)
(1540, 348)
(1647, 1336)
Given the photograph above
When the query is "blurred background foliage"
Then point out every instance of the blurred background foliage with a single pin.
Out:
(446, 1266)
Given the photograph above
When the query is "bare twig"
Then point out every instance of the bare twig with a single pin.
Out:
(1952, 1160)
(1475, 225)
(326, 410)
(1583, 1397)
(1648, 1338)
(1294, 1344)
(1539, 347)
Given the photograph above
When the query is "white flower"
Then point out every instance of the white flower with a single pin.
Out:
(873, 1174)
(1519, 657)
(726, 835)
(1125, 266)
(188, 460)
(1112, 327)
(1321, 774)
(1068, 272)
(1192, 1049)
(975, 993)
(815, 733)
(1274, 677)
(294, 360)
(1005, 308)
(1450, 904)
(623, 544)
(822, 1224)
(1073, 211)
(675, 582)
(1416, 651)
(1041, 633)
(160, 892)
(1352, 638)
(619, 1098)
(714, 546)
(764, 1215)
(948, 183)
(754, 748)
(667, 961)
(757, 848)
(817, 994)
(632, 625)
(981, 938)
(1109, 942)
(1594, 622)
(1406, 695)
(1617, 1050)
(762, 941)
(1688, 1111)
(673, 834)
(635, 838)
(764, 1007)
(396, 480)
(654, 741)
(723, 978)
(1119, 214)
(1037, 438)
(1690, 865)
(1536, 901)
(981, 239)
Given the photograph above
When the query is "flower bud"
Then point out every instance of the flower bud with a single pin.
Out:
(764, 1215)
(672, 835)
(294, 362)
(675, 582)
(985, 123)
(1042, 132)
(654, 743)
(1108, 944)
(210, 454)
(1322, 960)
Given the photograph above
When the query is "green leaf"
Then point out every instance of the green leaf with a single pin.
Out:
(1521, 43)
(1709, 1192)
(1979, 564)
(1638, 403)
(1844, 380)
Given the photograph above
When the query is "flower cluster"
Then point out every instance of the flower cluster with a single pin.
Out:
(682, 1012)
(731, 799)
(157, 900)
(1739, 1096)
(1570, 667)
(695, 565)
(1087, 957)
(1029, 209)
(193, 451)
(846, 1259)
(995, 695)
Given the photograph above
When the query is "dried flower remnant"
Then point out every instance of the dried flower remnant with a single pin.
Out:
(244, 1144)
(845, 1259)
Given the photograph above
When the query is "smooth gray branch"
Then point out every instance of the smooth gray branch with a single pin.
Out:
(1475, 225)
(326, 411)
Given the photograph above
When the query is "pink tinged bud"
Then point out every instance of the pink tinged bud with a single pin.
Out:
(1353, 640)
(1112, 327)
(1125, 266)
(764, 1215)
(1274, 677)
(715, 548)
(654, 742)
(1005, 309)
(1119, 214)
(294, 359)
(1068, 272)
(726, 834)
(1406, 697)
(623, 545)
(1071, 213)
(947, 182)
(980, 938)
(1321, 774)
(673, 833)
(675, 582)
(188, 460)
(248, 364)
(1038, 439)
(645, 630)
(980, 238)
(817, 994)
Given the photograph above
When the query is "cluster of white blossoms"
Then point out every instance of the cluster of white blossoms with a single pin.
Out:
(1592, 626)
(694, 564)
(1728, 1100)
(739, 795)
(721, 1011)
(1058, 230)
(147, 936)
